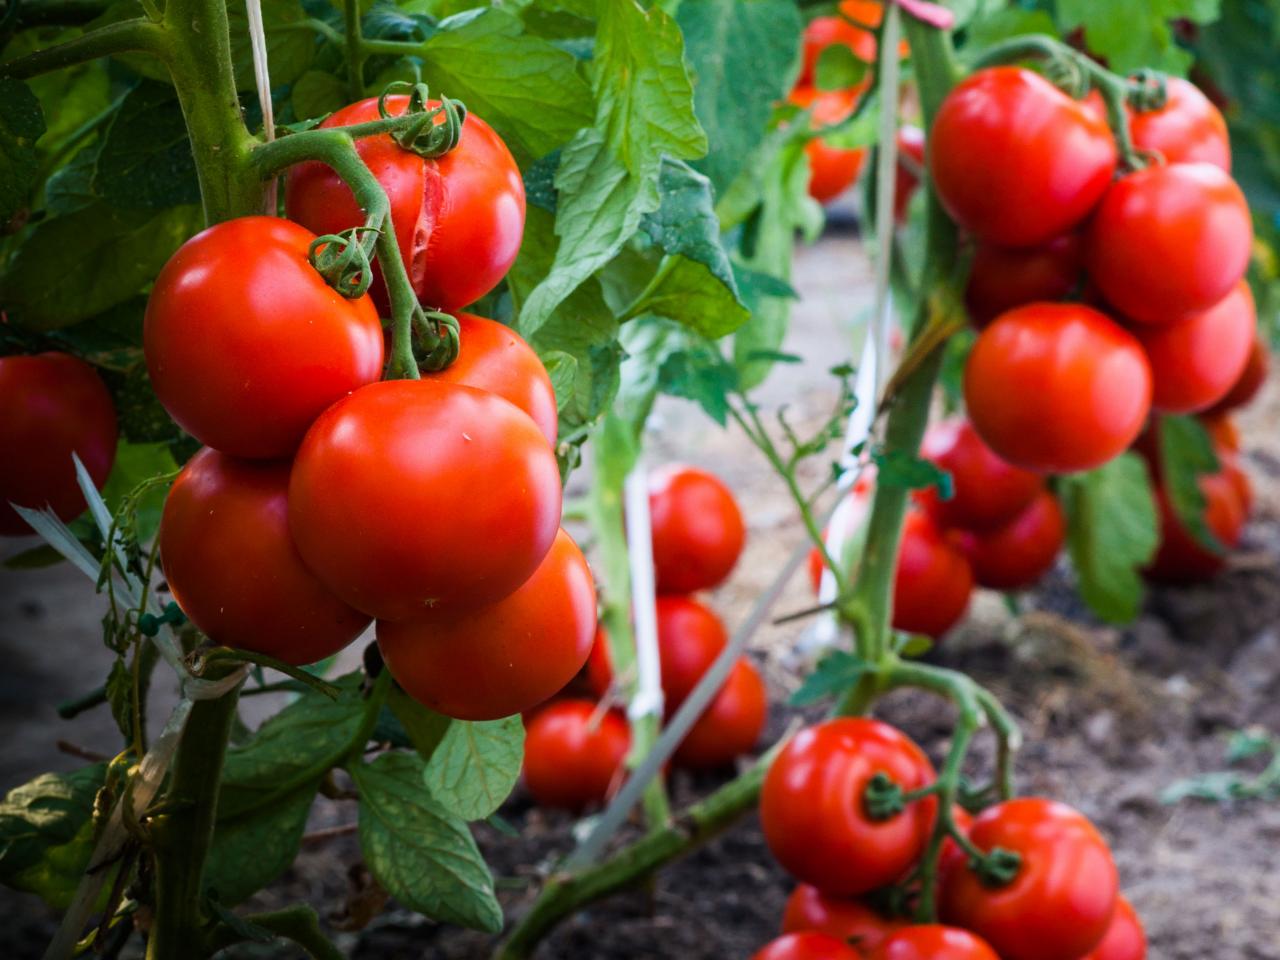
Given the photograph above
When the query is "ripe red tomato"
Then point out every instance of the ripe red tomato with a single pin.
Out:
(910, 147)
(1187, 129)
(1195, 361)
(481, 663)
(412, 493)
(494, 357)
(458, 219)
(987, 492)
(823, 32)
(1015, 161)
(850, 921)
(54, 405)
(697, 529)
(934, 942)
(1059, 904)
(1002, 278)
(730, 726)
(1057, 387)
(1017, 555)
(1183, 559)
(807, 945)
(933, 581)
(1125, 938)
(232, 566)
(600, 663)
(245, 342)
(570, 761)
(832, 170)
(1250, 382)
(690, 637)
(813, 812)
(1168, 241)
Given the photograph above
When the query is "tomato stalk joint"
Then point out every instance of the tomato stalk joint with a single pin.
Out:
(424, 136)
(997, 868)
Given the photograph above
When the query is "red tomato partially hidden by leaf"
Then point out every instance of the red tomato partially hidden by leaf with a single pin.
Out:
(458, 219)
(1015, 161)
(1250, 382)
(1168, 241)
(1060, 902)
(987, 492)
(486, 662)
(823, 32)
(1057, 388)
(1002, 278)
(832, 170)
(697, 529)
(232, 566)
(848, 920)
(806, 946)
(813, 812)
(1125, 938)
(934, 942)
(690, 637)
(53, 406)
(933, 583)
(1181, 558)
(1016, 555)
(410, 495)
(574, 754)
(730, 726)
(245, 342)
(1187, 129)
(911, 150)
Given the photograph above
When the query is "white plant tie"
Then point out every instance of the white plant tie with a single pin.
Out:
(262, 78)
(648, 699)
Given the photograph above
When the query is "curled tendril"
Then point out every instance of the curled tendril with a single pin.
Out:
(437, 336)
(1068, 75)
(343, 260)
(424, 136)
(1148, 90)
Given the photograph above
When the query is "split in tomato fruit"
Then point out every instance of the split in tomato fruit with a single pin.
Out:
(54, 405)
(1060, 901)
(848, 920)
(807, 945)
(1001, 278)
(413, 495)
(730, 726)
(1250, 382)
(987, 492)
(1015, 161)
(1187, 129)
(814, 812)
(1057, 388)
(1168, 241)
(697, 529)
(574, 754)
(482, 663)
(1016, 555)
(1125, 938)
(458, 218)
(1181, 557)
(832, 170)
(232, 566)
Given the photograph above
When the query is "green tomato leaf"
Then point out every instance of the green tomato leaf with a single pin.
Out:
(1112, 533)
(1187, 454)
(253, 849)
(70, 187)
(1006, 23)
(317, 93)
(21, 124)
(1135, 33)
(896, 468)
(423, 728)
(836, 672)
(135, 463)
(119, 689)
(145, 159)
(425, 857)
(562, 368)
(838, 69)
(476, 765)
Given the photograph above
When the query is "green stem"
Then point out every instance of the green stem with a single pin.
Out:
(235, 655)
(125, 36)
(297, 923)
(355, 49)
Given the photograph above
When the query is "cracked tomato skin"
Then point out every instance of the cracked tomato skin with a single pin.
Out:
(53, 405)
(934, 942)
(806, 945)
(1016, 555)
(246, 343)
(1125, 938)
(571, 762)
(844, 918)
(987, 492)
(1057, 388)
(229, 559)
(458, 218)
(482, 663)
(1058, 905)
(731, 723)
(1015, 161)
(412, 494)
(698, 531)
(1002, 278)
(1187, 129)
(1168, 241)
(813, 814)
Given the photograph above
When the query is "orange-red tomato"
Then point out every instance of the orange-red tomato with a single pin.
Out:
(1016, 555)
(730, 726)
(486, 662)
(574, 754)
(412, 495)
(1002, 278)
(987, 492)
(1057, 387)
(1168, 241)
(848, 920)
(600, 663)
(806, 946)
(934, 942)
(247, 344)
(1250, 382)
(910, 147)
(1222, 431)
(1125, 938)
(813, 813)
(697, 529)
(458, 219)
(1059, 903)
(1014, 160)
(933, 582)
(494, 357)
(1187, 129)
(832, 170)
(232, 567)
(1181, 558)
(54, 405)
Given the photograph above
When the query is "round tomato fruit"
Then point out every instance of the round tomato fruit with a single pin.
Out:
(934, 942)
(813, 806)
(412, 495)
(806, 946)
(458, 218)
(1001, 278)
(482, 663)
(1016, 555)
(1168, 241)
(933, 581)
(247, 344)
(231, 564)
(1187, 129)
(1182, 557)
(690, 637)
(1057, 388)
(832, 170)
(844, 918)
(574, 753)
(987, 492)
(697, 529)
(54, 405)
(1125, 939)
(1060, 900)
(730, 726)
(1015, 161)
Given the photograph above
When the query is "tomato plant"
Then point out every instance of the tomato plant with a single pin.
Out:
(573, 754)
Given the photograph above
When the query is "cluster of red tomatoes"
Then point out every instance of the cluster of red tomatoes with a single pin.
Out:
(1033, 880)
(325, 497)
(575, 747)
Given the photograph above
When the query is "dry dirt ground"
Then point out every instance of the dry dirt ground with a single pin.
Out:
(1111, 717)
